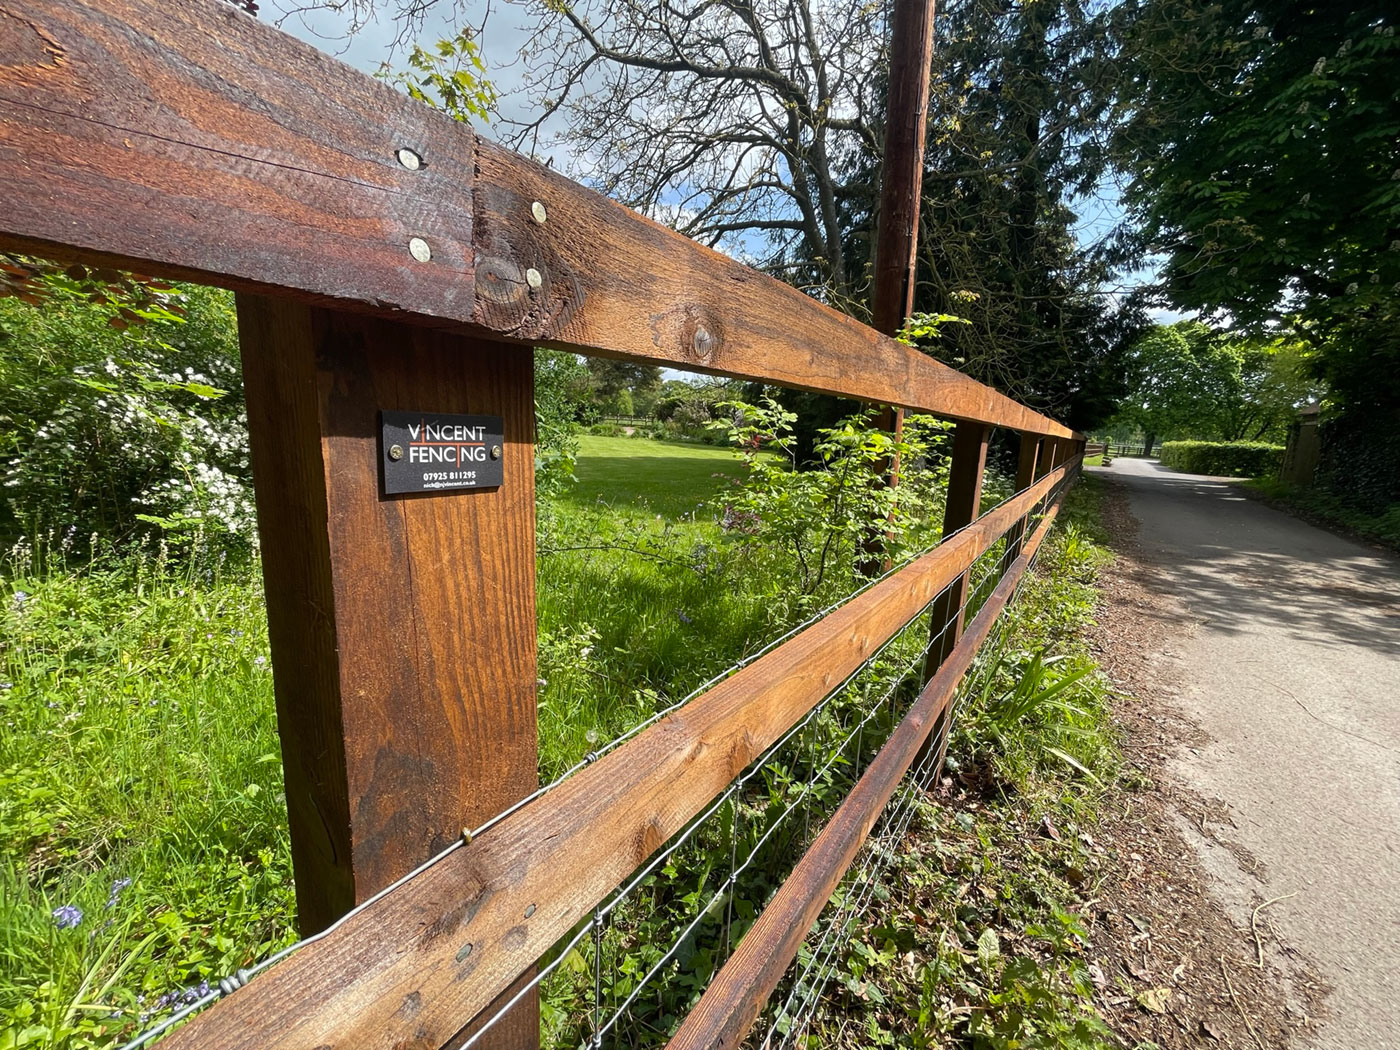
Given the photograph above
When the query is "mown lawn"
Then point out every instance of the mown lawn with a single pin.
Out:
(669, 478)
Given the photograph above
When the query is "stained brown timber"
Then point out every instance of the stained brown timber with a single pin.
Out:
(728, 1007)
(400, 972)
(190, 140)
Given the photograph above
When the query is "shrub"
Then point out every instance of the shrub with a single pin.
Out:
(611, 430)
(1232, 459)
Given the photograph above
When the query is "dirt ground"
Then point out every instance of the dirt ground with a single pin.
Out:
(1171, 967)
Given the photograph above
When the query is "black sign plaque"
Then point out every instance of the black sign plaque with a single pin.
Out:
(434, 451)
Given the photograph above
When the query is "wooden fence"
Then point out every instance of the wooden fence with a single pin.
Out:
(386, 260)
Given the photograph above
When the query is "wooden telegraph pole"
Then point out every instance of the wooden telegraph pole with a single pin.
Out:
(901, 185)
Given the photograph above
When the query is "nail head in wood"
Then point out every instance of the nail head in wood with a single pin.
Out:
(409, 159)
(396, 452)
(537, 210)
(418, 248)
(533, 278)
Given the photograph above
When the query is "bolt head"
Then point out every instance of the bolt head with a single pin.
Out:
(396, 452)
(409, 159)
(533, 278)
(495, 451)
(418, 248)
(537, 210)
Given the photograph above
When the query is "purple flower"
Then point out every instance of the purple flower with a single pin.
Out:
(683, 616)
(67, 916)
(116, 892)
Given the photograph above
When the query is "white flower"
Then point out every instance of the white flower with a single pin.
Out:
(1260, 32)
(1375, 278)
(1319, 66)
(1351, 288)
(1302, 107)
(1282, 241)
(1307, 197)
(1346, 46)
(1234, 271)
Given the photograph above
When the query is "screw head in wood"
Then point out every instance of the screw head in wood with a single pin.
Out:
(495, 451)
(537, 210)
(529, 911)
(396, 452)
(409, 159)
(418, 248)
(533, 278)
(703, 341)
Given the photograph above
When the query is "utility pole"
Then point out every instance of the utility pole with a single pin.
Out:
(901, 186)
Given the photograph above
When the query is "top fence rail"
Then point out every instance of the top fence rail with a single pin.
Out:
(131, 131)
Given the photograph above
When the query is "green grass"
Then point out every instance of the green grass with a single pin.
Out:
(140, 741)
(669, 478)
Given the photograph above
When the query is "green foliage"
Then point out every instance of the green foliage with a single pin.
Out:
(561, 383)
(1188, 380)
(1020, 97)
(140, 745)
(1260, 138)
(823, 515)
(123, 411)
(451, 77)
(1227, 459)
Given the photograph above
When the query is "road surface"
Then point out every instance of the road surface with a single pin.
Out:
(1289, 659)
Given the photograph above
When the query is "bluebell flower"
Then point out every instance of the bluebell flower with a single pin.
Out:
(20, 598)
(683, 616)
(67, 916)
(116, 892)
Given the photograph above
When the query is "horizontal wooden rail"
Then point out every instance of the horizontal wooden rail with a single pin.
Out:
(191, 141)
(732, 1002)
(414, 967)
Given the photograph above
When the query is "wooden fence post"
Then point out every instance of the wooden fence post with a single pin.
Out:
(963, 505)
(1032, 451)
(402, 626)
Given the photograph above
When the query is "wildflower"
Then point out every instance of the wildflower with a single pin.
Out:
(5, 687)
(1345, 47)
(591, 736)
(683, 617)
(20, 598)
(1282, 241)
(116, 892)
(259, 661)
(1234, 271)
(1319, 66)
(67, 916)
(1351, 288)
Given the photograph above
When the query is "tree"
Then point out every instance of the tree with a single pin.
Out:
(1188, 380)
(1260, 137)
(734, 121)
(1020, 94)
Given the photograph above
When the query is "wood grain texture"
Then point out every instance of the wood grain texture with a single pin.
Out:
(402, 629)
(528, 880)
(190, 140)
(728, 1007)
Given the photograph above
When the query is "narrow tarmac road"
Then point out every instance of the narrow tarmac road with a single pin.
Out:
(1289, 659)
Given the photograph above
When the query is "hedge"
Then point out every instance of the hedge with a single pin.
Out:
(1229, 459)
